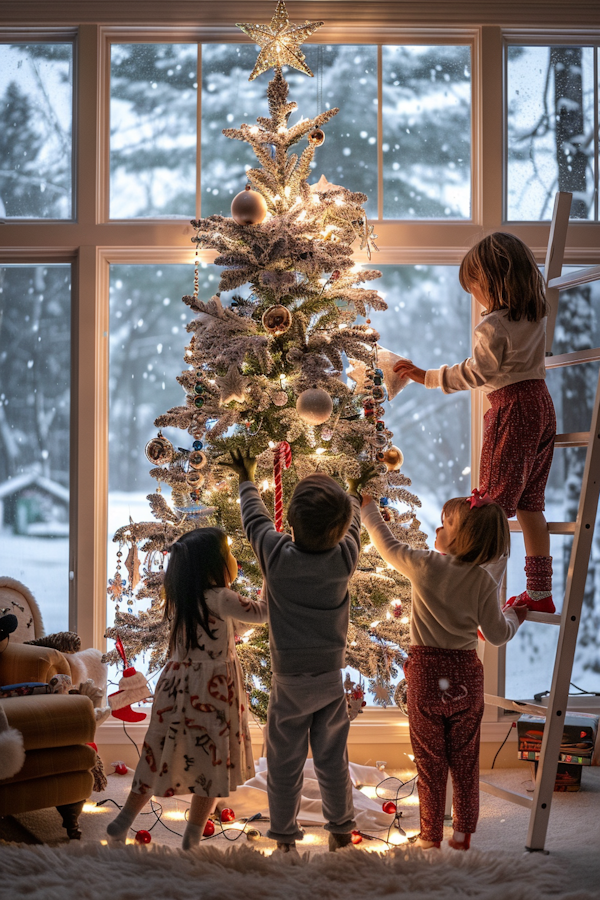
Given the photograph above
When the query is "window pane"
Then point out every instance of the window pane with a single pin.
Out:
(35, 364)
(550, 100)
(36, 112)
(153, 130)
(429, 320)
(345, 76)
(426, 132)
(147, 344)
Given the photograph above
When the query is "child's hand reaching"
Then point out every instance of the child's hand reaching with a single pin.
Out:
(355, 484)
(242, 464)
(407, 369)
(521, 611)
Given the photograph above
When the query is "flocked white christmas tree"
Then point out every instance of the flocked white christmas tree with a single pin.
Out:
(266, 374)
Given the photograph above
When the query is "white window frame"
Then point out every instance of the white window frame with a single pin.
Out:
(92, 241)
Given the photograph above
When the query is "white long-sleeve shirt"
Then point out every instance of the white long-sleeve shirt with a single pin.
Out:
(450, 599)
(504, 352)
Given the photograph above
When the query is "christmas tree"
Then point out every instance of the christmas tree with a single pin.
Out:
(265, 374)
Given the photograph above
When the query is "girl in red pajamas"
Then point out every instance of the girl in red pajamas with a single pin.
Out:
(452, 595)
(507, 364)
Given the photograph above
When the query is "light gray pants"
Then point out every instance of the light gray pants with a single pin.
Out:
(303, 707)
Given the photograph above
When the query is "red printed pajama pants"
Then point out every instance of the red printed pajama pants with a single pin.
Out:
(518, 443)
(445, 706)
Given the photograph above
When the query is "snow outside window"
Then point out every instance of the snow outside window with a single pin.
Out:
(36, 117)
(35, 387)
(551, 98)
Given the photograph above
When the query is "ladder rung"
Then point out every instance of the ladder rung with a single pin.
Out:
(512, 796)
(545, 618)
(553, 527)
(573, 439)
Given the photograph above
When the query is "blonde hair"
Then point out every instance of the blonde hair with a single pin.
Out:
(482, 533)
(506, 273)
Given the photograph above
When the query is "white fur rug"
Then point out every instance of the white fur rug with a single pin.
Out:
(95, 872)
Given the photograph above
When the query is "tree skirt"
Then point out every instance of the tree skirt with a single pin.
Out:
(96, 872)
(251, 797)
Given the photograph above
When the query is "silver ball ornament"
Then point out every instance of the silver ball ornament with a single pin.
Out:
(314, 406)
(248, 207)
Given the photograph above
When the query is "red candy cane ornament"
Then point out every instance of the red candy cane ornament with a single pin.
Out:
(282, 457)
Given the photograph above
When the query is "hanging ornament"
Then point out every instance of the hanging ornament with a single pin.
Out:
(195, 479)
(314, 406)
(132, 564)
(393, 458)
(355, 698)
(197, 445)
(280, 398)
(380, 440)
(197, 459)
(159, 450)
(248, 207)
(232, 385)
(326, 434)
(316, 137)
(282, 458)
(357, 373)
(277, 320)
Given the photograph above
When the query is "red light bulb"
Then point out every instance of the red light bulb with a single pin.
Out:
(356, 837)
(227, 815)
(209, 829)
(389, 807)
(121, 768)
(143, 837)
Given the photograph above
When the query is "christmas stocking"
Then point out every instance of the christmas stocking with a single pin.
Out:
(132, 688)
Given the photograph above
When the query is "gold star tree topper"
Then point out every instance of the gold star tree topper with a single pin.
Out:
(279, 42)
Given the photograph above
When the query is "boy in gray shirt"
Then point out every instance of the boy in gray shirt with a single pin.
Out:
(306, 578)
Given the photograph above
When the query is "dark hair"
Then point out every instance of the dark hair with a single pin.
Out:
(482, 535)
(505, 270)
(197, 562)
(320, 513)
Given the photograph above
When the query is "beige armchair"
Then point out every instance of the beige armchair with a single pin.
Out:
(56, 730)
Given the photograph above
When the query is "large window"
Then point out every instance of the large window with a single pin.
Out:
(35, 404)
(452, 131)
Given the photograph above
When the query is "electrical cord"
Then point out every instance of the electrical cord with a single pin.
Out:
(512, 725)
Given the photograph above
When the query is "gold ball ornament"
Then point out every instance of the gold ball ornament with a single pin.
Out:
(277, 320)
(316, 137)
(197, 459)
(393, 458)
(159, 450)
(195, 479)
(314, 406)
(280, 398)
(248, 207)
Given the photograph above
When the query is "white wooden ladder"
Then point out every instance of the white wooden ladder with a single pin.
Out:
(582, 530)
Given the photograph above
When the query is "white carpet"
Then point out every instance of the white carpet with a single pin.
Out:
(94, 872)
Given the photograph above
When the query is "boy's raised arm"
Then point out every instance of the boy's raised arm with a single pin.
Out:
(257, 522)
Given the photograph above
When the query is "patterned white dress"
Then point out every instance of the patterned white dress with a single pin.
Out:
(198, 741)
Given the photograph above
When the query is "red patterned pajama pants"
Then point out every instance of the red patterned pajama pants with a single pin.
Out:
(518, 443)
(445, 706)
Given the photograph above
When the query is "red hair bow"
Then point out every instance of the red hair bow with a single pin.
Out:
(478, 499)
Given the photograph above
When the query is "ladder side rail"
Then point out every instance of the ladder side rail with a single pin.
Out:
(557, 240)
(565, 654)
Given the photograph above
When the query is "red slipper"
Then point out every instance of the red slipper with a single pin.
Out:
(460, 845)
(544, 606)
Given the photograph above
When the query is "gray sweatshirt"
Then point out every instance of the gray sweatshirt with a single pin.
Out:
(307, 594)
(450, 599)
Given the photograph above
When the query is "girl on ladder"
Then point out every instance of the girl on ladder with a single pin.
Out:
(507, 364)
